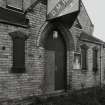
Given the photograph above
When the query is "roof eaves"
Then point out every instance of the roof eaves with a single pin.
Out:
(86, 37)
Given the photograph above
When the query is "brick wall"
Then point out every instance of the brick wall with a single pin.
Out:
(88, 79)
(19, 86)
(13, 86)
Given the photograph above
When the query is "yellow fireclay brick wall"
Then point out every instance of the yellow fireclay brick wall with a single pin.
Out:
(18, 86)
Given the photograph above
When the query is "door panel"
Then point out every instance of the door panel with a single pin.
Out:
(50, 67)
(59, 72)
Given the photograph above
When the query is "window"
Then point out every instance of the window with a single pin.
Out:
(18, 52)
(16, 4)
(95, 59)
(84, 49)
(77, 61)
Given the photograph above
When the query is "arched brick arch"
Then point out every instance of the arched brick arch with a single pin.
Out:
(48, 27)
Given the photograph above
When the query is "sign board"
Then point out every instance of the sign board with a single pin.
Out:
(77, 61)
(57, 8)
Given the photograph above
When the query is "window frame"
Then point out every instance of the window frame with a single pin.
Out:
(14, 7)
(16, 66)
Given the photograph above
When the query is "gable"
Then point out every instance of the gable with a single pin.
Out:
(85, 20)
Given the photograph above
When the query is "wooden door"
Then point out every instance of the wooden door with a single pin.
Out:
(56, 50)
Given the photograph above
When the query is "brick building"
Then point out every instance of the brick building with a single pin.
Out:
(47, 48)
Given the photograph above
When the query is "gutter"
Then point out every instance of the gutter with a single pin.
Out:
(91, 41)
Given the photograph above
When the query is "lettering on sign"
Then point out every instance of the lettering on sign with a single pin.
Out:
(59, 7)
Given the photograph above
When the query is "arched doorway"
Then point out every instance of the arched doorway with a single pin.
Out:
(55, 47)
(67, 43)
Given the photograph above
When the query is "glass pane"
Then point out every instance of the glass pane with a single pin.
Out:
(95, 60)
(18, 52)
